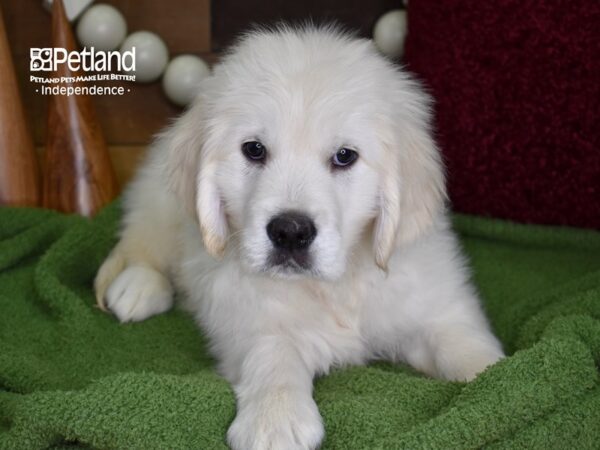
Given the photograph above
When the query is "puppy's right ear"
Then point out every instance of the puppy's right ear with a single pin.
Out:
(193, 180)
(183, 142)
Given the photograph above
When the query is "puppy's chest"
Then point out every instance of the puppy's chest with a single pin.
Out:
(321, 319)
(329, 325)
(340, 307)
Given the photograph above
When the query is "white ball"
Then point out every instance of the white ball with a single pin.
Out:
(182, 78)
(151, 55)
(389, 33)
(102, 27)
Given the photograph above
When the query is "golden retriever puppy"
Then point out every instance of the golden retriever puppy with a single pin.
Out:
(299, 206)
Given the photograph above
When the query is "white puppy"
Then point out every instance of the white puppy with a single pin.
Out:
(299, 206)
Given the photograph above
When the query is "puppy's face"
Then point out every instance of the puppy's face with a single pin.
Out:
(301, 155)
(298, 182)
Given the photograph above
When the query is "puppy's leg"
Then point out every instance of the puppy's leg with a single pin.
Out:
(276, 410)
(461, 350)
(132, 282)
(456, 345)
(447, 338)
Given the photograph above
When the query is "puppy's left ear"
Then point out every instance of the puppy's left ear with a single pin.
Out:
(413, 189)
(210, 210)
(191, 172)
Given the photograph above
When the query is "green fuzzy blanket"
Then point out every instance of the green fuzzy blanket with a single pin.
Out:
(73, 377)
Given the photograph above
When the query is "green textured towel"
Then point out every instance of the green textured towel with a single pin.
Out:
(71, 376)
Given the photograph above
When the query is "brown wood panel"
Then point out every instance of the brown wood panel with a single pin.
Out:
(230, 17)
(183, 24)
(136, 116)
(125, 160)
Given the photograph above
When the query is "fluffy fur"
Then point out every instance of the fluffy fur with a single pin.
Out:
(387, 279)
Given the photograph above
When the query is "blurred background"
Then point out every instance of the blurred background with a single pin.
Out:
(515, 83)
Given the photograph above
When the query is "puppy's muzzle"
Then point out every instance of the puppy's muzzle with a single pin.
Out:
(291, 234)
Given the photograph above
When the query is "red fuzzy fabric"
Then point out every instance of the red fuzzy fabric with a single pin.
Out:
(517, 91)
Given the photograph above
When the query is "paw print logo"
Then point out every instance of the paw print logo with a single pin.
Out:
(40, 59)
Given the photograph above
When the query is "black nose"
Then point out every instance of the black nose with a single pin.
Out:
(291, 231)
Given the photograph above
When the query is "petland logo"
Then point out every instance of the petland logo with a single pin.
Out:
(88, 59)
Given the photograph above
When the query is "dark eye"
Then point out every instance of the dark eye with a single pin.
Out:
(344, 158)
(254, 151)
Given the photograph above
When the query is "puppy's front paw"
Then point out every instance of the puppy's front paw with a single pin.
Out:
(138, 293)
(282, 420)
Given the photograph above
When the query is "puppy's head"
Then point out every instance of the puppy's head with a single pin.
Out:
(302, 144)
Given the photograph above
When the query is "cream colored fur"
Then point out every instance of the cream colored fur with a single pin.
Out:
(388, 279)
